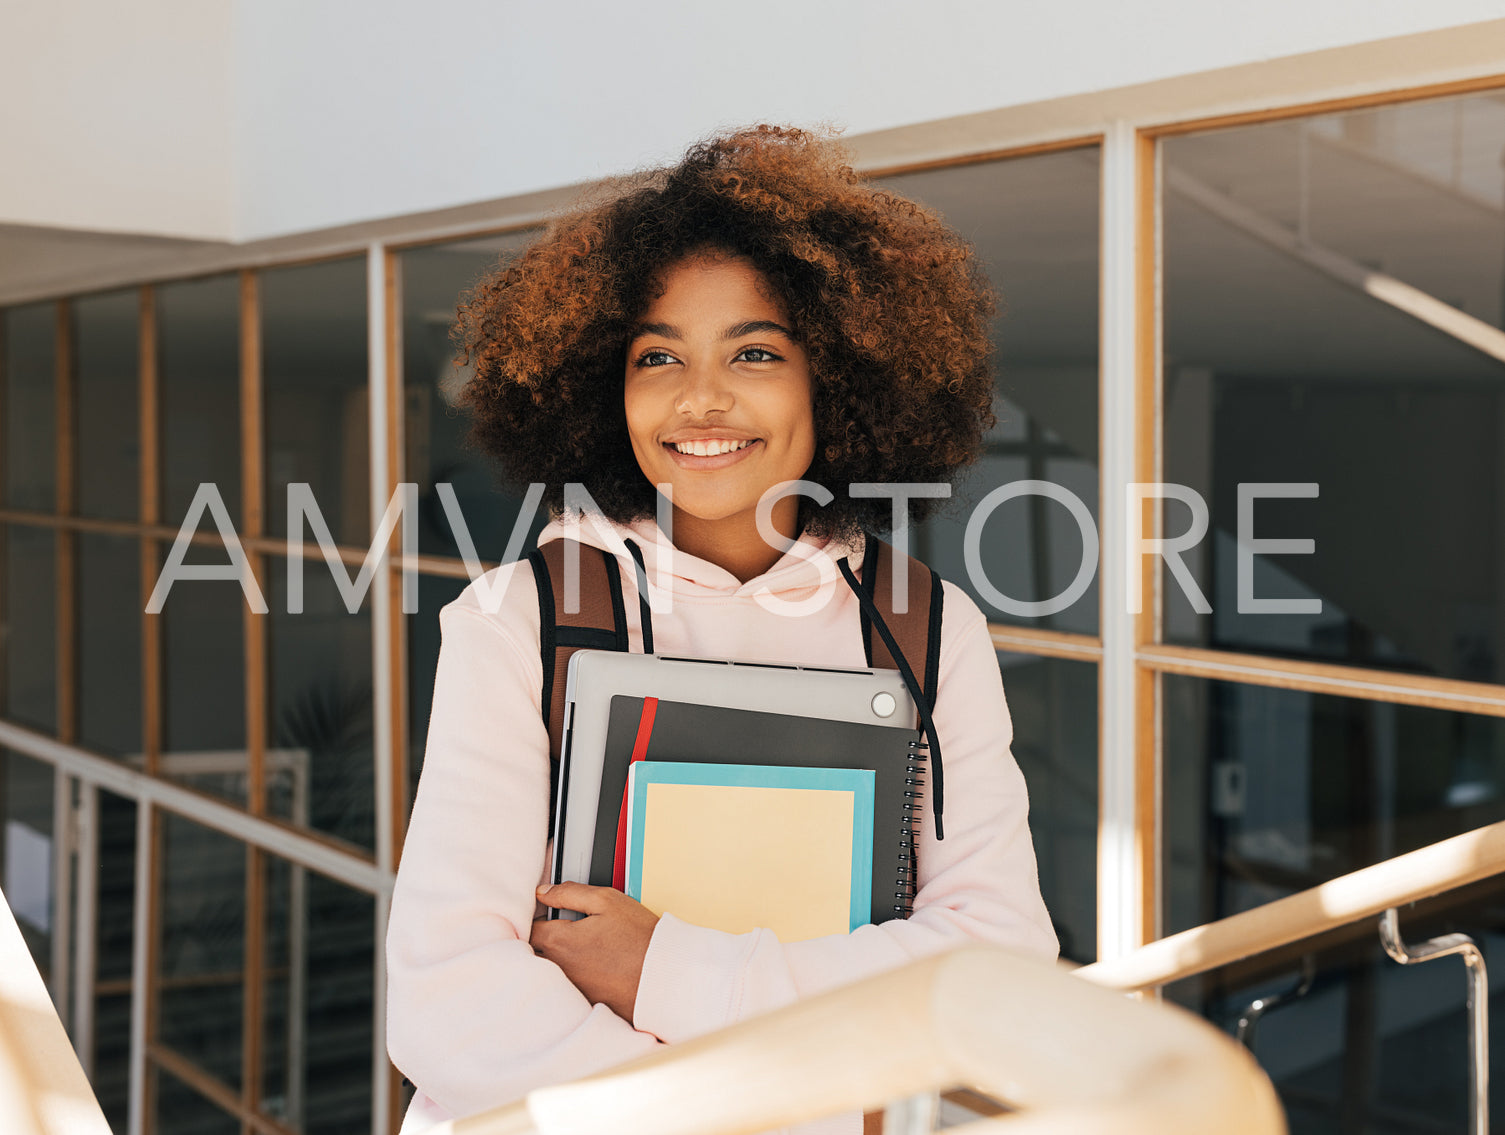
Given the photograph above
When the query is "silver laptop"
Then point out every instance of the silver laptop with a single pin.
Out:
(860, 695)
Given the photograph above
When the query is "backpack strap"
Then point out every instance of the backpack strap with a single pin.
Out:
(918, 630)
(599, 624)
(905, 639)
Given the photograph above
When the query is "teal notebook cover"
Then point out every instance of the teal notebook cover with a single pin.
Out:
(799, 827)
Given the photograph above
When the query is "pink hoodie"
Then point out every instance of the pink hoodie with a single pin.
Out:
(475, 1019)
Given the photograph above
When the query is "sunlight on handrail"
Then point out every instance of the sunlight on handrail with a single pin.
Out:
(1407, 878)
(43, 1090)
(1071, 1057)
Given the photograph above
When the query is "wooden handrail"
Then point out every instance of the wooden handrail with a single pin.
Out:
(1072, 1057)
(1407, 878)
(43, 1089)
(1058, 1045)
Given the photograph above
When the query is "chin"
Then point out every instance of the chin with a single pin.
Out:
(700, 510)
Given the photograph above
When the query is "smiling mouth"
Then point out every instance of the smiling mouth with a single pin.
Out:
(712, 453)
(709, 447)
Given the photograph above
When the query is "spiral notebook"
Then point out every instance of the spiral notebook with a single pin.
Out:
(664, 731)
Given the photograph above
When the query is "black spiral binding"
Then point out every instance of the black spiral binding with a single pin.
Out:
(914, 781)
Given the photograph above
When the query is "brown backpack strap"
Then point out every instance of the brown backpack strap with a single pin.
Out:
(599, 624)
(918, 630)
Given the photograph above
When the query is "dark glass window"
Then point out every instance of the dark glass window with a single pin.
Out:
(1270, 791)
(319, 701)
(28, 561)
(109, 643)
(433, 280)
(108, 446)
(317, 1027)
(1034, 223)
(198, 361)
(203, 674)
(30, 400)
(201, 968)
(1053, 704)
(1333, 317)
(26, 853)
(316, 395)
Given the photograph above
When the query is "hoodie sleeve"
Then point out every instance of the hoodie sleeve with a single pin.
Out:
(978, 884)
(474, 1018)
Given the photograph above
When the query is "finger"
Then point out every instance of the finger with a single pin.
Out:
(578, 896)
(544, 935)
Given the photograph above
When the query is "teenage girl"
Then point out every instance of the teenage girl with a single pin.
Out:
(751, 316)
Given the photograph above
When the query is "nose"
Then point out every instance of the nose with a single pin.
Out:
(706, 389)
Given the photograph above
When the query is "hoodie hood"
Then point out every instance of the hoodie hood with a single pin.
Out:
(810, 562)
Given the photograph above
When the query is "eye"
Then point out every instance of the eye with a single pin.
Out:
(768, 356)
(654, 358)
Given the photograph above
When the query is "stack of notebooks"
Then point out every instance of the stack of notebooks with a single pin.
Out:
(736, 819)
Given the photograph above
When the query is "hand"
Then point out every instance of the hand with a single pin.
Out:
(603, 952)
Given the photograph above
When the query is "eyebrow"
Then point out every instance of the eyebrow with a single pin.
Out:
(735, 331)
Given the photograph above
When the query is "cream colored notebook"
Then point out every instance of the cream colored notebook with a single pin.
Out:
(738, 847)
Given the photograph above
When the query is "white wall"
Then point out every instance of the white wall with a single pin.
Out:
(115, 116)
(357, 111)
(249, 119)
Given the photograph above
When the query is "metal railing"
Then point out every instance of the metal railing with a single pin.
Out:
(1362, 894)
(1449, 945)
(1365, 893)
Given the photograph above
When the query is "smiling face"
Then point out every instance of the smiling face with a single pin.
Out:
(718, 400)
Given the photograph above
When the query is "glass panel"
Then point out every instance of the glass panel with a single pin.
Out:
(30, 639)
(105, 330)
(1354, 1041)
(198, 360)
(1268, 791)
(109, 643)
(316, 404)
(203, 668)
(183, 1111)
(26, 854)
(432, 280)
(1053, 704)
(112, 1001)
(30, 406)
(201, 959)
(434, 592)
(316, 1056)
(319, 698)
(1034, 223)
(1286, 361)
(112, 1058)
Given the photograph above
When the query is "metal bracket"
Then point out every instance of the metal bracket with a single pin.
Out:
(1478, 1003)
(1248, 1019)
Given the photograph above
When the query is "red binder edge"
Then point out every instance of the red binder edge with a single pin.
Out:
(639, 752)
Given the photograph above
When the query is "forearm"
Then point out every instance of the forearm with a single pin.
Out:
(475, 1018)
(697, 980)
(978, 884)
(488, 1025)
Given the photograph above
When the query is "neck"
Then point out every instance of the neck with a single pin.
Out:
(733, 542)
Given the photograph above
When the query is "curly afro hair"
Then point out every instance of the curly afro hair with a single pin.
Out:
(891, 306)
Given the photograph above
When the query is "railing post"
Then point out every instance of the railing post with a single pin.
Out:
(1255, 1011)
(1478, 1003)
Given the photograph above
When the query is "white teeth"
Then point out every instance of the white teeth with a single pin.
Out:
(709, 448)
